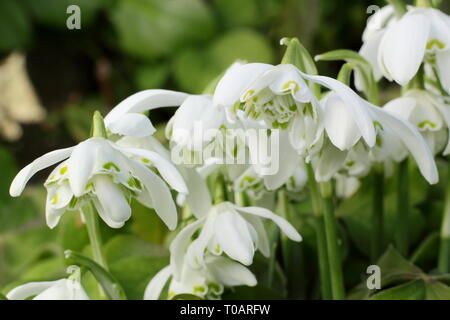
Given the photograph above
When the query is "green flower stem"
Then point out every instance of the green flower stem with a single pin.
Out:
(377, 214)
(98, 126)
(399, 7)
(444, 250)
(283, 205)
(319, 224)
(334, 254)
(423, 3)
(402, 223)
(91, 219)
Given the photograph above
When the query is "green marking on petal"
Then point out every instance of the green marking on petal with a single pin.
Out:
(248, 94)
(111, 165)
(379, 141)
(426, 123)
(134, 183)
(145, 160)
(55, 199)
(378, 124)
(435, 43)
(291, 85)
(199, 289)
(217, 249)
(63, 170)
(350, 163)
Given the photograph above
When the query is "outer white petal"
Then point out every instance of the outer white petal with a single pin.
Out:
(159, 192)
(198, 198)
(132, 124)
(233, 234)
(443, 66)
(353, 102)
(403, 47)
(112, 199)
(331, 160)
(339, 123)
(263, 239)
(30, 289)
(179, 246)
(402, 107)
(284, 225)
(40, 163)
(81, 164)
(156, 285)
(230, 273)
(64, 289)
(288, 160)
(444, 109)
(143, 101)
(369, 50)
(413, 141)
(165, 168)
(236, 81)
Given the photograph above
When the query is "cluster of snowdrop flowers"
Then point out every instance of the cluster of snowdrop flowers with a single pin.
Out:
(298, 127)
(397, 46)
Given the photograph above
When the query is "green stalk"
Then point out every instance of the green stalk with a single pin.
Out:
(423, 3)
(444, 250)
(402, 223)
(91, 219)
(324, 268)
(377, 214)
(334, 254)
(399, 7)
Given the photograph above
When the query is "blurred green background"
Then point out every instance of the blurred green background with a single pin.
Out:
(60, 76)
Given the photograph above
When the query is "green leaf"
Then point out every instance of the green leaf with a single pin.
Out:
(15, 26)
(394, 267)
(3, 297)
(149, 76)
(109, 284)
(427, 250)
(436, 290)
(72, 232)
(151, 28)
(134, 273)
(186, 296)
(54, 13)
(194, 69)
(413, 290)
(126, 246)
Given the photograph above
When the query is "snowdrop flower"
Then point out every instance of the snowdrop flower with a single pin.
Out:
(226, 228)
(197, 197)
(276, 94)
(127, 118)
(428, 113)
(63, 289)
(402, 44)
(380, 127)
(100, 170)
(206, 282)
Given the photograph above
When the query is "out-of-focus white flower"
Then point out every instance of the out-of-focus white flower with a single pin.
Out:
(109, 175)
(429, 113)
(63, 289)
(226, 228)
(393, 135)
(205, 282)
(396, 47)
(18, 100)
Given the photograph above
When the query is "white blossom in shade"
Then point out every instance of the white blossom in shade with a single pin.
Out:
(396, 47)
(62, 289)
(429, 113)
(205, 282)
(392, 135)
(100, 171)
(197, 197)
(227, 228)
